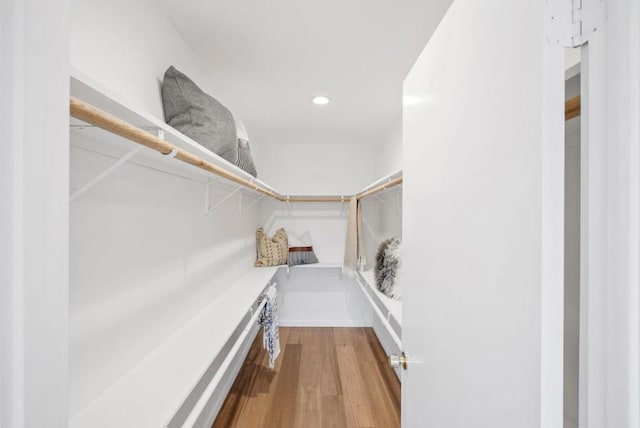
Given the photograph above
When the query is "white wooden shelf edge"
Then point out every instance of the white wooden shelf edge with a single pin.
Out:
(393, 306)
(151, 392)
(86, 89)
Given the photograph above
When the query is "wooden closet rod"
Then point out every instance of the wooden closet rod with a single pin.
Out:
(572, 108)
(92, 115)
(380, 188)
(88, 113)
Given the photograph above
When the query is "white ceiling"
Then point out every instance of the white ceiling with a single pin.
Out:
(266, 59)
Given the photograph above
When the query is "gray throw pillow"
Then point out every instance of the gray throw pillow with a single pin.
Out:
(199, 116)
(301, 250)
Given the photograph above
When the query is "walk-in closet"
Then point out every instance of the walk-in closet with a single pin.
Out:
(176, 271)
(292, 214)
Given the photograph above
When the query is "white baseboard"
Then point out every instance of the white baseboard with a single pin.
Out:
(387, 342)
(325, 323)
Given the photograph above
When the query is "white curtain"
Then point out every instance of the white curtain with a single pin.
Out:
(354, 258)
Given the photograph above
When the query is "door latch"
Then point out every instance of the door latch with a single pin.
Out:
(396, 361)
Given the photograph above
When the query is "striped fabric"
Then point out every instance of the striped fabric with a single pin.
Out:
(268, 319)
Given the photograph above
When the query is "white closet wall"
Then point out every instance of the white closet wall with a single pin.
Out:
(330, 169)
(312, 296)
(127, 46)
(338, 169)
(144, 260)
(382, 219)
(144, 256)
(388, 150)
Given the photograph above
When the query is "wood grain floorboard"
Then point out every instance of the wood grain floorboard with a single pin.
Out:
(323, 378)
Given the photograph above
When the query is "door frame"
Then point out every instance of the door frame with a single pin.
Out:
(34, 213)
(610, 222)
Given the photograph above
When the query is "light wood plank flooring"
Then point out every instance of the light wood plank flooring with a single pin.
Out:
(324, 377)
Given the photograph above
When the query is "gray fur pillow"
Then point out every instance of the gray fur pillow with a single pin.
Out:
(387, 267)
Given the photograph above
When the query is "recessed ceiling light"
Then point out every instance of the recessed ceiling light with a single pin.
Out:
(320, 100)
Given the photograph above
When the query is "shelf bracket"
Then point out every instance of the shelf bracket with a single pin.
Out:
(104, 174)
(381, 201)
(208, 208)
(248, 207)
(399, 201)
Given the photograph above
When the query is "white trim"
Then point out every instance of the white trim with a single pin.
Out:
(324, 323)
(552, 239)
(387, 342)
(634, 212)
(610, 265)
(12, 369)
(592, 394)
(34, 132)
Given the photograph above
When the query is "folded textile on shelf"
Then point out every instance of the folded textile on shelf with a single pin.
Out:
(268, 319)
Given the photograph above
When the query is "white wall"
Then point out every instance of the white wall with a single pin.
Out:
(144, 259)
(340, 169)
(311, 297)
(326, 223)
(388, 150)
(144, 256)
(127, 46)
(382, 219)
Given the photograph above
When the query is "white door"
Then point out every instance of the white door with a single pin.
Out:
(483, 222)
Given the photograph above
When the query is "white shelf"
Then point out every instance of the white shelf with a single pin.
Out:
(152, 392)
(393, 307)
(95, 94)
(318, 266)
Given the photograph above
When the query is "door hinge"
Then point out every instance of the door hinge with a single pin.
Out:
(570, 23)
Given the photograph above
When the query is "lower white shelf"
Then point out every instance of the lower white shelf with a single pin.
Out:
(165, 386)
(318, 266)
(391, 308)
(387, 317)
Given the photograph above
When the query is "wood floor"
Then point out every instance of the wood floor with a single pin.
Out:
(324, 377)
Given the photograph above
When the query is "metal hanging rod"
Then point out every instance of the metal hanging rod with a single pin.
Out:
(90, 114)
